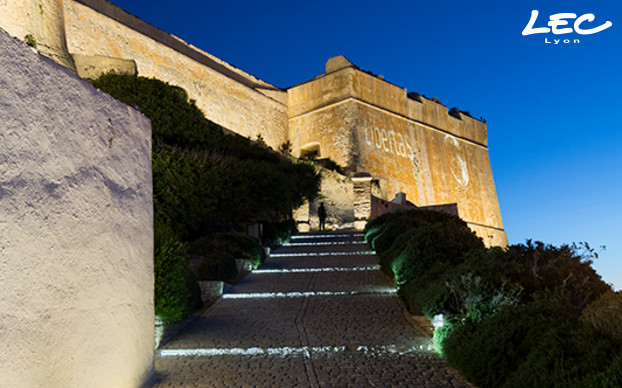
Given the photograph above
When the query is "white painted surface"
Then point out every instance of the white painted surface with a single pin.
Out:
(76, 238)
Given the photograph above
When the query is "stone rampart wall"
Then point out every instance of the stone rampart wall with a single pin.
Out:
(76, 230)
(369, 125)
(228, 96)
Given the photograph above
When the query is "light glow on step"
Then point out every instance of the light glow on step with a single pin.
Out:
(322, 243)
(325, 269)
(306, 351)
(359, 253)
(306, 294)
(305, 236)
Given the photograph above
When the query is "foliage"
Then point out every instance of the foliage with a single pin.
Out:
(30, 40)
(217, 266)
(331, 165)
(417, 250)
(204, 180)
(563, 356)
(442, 333)
(543, 269)
(488, 352)
(213, 175)
(277, 233)
(220, 251)
(239, 246)
(608, 377)
(286, 148)
(174, 297)
(605, 314)
(528, 315)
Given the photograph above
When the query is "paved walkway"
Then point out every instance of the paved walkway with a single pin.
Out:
(319, 313)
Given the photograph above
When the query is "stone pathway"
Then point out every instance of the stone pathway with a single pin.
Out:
(318, 313)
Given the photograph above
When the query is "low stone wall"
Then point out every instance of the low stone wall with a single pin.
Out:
(76, 230)
(380, 206)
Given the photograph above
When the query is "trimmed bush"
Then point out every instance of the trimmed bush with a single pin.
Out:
(236, 245)
(277, 233)
(217, 266)
(174, 297)
(417, 250)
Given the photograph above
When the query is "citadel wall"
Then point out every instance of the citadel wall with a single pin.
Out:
(369, 125)
(228, 96)
(76, 230)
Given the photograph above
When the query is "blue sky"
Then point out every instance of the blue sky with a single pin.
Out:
(552, 110)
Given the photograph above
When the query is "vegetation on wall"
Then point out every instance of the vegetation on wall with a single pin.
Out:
(204, 181)
(530, 315)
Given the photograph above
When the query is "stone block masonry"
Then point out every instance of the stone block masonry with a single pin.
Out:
(76, 230)
(227, 96)
(369, 125)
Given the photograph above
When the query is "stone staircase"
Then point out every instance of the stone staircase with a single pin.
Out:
(318, 313)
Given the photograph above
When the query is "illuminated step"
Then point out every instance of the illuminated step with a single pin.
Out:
(309, 236)
(322, 243)
(358, 253)
(306, 294)
(324, 269)
(307, 351)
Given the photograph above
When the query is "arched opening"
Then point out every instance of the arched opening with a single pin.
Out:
(310, 151)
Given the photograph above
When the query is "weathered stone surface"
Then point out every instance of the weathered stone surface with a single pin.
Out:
(337, 63)
(43, 21)
(362, 199)
(76, 235)
(367, 124)
(226, 95)
(94, 66)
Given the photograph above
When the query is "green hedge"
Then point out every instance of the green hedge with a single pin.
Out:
(204, 181)
(529, 315)
(176, 291)
(236, 245)
(217, 266)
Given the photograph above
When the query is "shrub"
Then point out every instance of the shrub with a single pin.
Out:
(609, 377)
(239, 246)
(217, 266)
(563, 356)
(488, 352)
(428, 292)
(384, 229)
(417, 250)
(173, 297)
(236, 245)
(605, 314)
(543, 269)
(277, 233)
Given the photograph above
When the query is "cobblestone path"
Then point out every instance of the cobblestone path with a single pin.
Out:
(318, 313)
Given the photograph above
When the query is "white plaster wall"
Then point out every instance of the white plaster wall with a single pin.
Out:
(76, 237)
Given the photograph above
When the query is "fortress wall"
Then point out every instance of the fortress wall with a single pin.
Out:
(226, 95)
(434, 158)
(41, 20)
(351, 83)
(76, 230)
